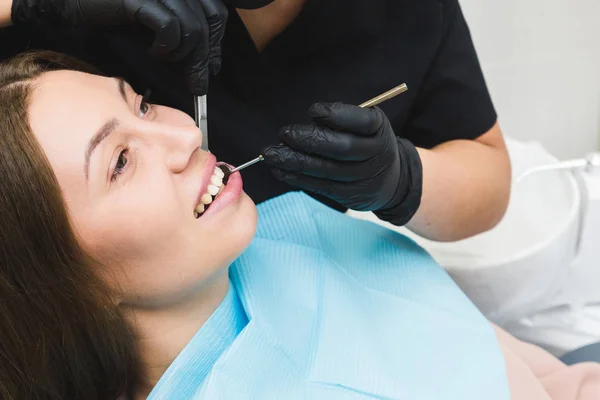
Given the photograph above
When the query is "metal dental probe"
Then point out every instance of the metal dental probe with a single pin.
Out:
(201, 118)
(367, 104)
(249, 163)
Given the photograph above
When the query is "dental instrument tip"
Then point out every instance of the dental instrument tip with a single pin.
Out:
(249, 163)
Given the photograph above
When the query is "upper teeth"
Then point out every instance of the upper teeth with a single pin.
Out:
(219, 172)
(213, 189)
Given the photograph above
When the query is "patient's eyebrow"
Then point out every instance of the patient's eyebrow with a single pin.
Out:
(104, 131)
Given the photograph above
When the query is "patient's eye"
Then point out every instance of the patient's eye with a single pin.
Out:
(121, 164)
(144, 108)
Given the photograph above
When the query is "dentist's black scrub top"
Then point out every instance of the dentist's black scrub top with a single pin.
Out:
(335, 50)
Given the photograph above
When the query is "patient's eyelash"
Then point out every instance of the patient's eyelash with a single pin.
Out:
(121, 165)
(145, 106)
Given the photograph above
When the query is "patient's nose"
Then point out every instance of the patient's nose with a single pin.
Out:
(178, 143)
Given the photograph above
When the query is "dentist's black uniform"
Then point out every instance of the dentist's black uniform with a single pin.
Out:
(343, 51)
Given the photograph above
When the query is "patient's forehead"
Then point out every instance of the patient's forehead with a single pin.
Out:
(64, 93)
(65, 109)
(68, 104)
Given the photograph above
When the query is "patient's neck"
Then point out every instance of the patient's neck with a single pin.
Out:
(162, 333)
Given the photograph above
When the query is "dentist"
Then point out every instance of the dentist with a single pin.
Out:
(289, 71)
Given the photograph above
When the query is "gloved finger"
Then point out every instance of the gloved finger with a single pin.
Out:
(352, 195)
(216, 16)
(197, 74)
(192, 22)
(346, 117)
(166, 28)
(196, 65)
(325, 142)
(286, 159)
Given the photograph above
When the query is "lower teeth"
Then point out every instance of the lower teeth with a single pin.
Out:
(197, 214)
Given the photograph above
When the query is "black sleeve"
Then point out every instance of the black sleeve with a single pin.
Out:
(13, 40)
(453, 102)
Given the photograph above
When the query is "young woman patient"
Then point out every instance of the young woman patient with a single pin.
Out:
(129, 269)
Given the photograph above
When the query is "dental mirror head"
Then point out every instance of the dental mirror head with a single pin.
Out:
(229, 171)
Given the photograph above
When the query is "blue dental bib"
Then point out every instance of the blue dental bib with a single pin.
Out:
(322, 306)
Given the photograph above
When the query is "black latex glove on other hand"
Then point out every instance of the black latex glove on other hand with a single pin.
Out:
(351, 155)
(185, 31)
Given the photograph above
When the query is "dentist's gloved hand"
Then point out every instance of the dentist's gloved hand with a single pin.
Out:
(352, 156)
(185, 31)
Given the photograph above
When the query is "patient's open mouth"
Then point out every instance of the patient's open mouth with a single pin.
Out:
(218, 180)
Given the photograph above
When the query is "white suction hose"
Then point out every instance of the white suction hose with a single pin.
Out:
(590, 164)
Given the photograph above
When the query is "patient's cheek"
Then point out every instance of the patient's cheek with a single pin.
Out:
(121, 238)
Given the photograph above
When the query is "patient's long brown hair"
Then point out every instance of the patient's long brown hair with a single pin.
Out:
(60, 335)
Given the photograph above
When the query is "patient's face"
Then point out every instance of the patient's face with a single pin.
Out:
(132, 175)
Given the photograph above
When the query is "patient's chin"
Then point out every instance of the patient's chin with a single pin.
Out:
(230, 231)
(241, 228)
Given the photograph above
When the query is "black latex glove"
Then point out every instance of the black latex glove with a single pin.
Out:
(352, 156)
(185, 31)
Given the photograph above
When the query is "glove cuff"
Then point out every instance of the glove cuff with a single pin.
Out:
(408, 197)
